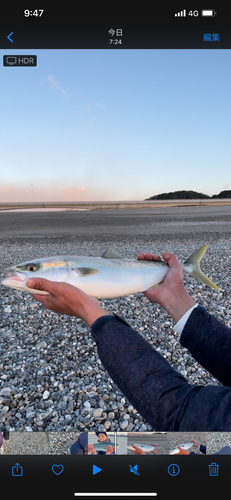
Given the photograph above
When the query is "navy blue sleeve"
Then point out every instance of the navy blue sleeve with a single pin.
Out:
(209, 342)
(159, 393)
(202, 449)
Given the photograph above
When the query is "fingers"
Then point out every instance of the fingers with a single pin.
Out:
(39, 298)
(40, 284)
(148, 256)
(195, 443)
(182, 451)
(137, 450)
(168, 257)
(54, 288)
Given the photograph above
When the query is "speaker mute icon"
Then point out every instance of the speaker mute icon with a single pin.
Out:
(182, 13)
(134, 470)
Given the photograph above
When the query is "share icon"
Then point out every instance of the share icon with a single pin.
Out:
(134, 469)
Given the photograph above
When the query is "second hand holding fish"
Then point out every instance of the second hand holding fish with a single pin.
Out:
(170, 294)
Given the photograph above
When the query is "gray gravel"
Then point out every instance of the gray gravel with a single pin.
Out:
(43, 443)
(177, 438)
(51, 378)
(26, 443)
(217, 440)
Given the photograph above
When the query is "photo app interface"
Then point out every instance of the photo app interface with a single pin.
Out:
(106, 153)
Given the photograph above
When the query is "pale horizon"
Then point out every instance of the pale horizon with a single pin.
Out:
(98, 199)
(98, 125)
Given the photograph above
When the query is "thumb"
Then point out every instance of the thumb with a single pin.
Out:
(170, 258)
(39, 284)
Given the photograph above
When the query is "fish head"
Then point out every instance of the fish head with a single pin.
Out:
(53, 269)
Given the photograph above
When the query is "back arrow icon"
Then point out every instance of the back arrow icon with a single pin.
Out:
(10, 36)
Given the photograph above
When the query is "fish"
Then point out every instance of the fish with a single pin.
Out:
(104, 277)
(144, 447)
(186, 447)
(103, 446)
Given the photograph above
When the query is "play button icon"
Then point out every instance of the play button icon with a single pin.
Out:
(96, 469)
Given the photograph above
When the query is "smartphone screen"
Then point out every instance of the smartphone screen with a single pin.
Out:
(115, 144)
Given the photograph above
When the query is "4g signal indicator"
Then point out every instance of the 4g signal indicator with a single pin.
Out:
(183, 13)
(195, 13)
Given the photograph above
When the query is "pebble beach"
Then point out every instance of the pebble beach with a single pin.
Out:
(51, 378)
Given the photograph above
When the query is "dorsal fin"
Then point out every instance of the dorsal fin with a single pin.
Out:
(111, 254)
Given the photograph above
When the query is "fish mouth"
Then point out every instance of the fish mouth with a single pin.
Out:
(15, 280)
(13, 276)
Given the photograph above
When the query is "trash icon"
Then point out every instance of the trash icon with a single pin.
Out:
(213, 469)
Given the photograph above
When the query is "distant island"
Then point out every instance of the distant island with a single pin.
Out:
(223, 194)
(188, 195)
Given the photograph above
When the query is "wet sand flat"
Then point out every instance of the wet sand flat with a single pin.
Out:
(117, 223)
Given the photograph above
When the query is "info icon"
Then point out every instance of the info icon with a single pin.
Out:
(173, 469)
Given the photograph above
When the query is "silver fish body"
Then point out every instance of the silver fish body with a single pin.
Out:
(144, 447)
(103, 277)
(95, 276)
(186, 447)
(103, 446)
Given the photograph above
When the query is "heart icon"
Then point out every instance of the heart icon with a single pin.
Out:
(57, 469)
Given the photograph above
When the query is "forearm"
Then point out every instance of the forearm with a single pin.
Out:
(92, 311)
(177, 302)
(155, 389)
(160, 394)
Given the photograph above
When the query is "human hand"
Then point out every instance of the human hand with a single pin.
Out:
(156, 450)
(182, 451)
(67, 299)
(173, 278)
(195, 443)
(137, 450)
(91, 449)
(110, 449)
(170, 294)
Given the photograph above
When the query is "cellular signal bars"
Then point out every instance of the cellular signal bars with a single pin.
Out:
(182, 13)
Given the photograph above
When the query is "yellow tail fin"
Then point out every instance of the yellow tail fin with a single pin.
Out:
(191, 266)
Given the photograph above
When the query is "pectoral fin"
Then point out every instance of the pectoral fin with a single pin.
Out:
(85, 271)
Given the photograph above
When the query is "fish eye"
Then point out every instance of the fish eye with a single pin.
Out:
(32, 267)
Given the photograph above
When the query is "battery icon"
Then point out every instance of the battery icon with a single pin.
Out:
(208, 13)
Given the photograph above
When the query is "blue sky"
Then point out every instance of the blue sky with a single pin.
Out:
(115, 124)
